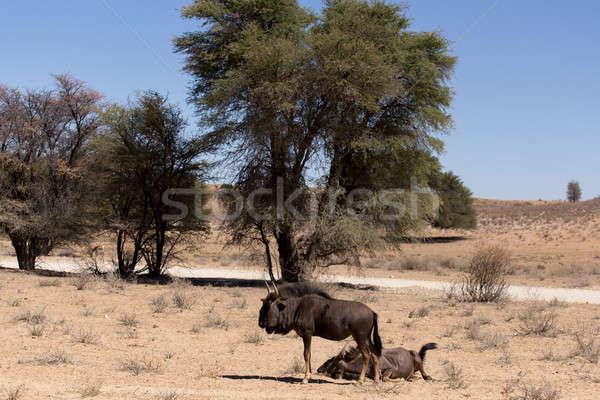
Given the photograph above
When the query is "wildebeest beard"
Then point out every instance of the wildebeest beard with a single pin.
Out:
(285, 318)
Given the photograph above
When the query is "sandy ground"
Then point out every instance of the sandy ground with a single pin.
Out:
(107, 340)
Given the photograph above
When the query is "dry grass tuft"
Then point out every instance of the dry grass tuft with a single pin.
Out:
(37, 330)
(535, 321)
(36, 317)
(83, 281)
(255, 337)
(182, 298)
(55, 357)
(168, 396)
(129, 320)
(15, 393)
(136, 366)
(92, 389)
(587, 346)
(296, 367)
(159, 304)
(49, 283)
(454, 376)
(421, 312)
(86, 336)
(531, 391)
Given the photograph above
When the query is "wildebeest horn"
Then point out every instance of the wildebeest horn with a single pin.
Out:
(268, 287)
(276, 290)
(343, 352)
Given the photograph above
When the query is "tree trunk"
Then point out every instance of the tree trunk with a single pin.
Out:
(288, 256)
(27, 250)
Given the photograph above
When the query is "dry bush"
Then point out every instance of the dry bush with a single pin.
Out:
(91, 389)
(37, 330)
(536, 321)
(159, 304)
(255, 337)
(215, 320)
(587, 346)
(113, 281)
(55, 357)
(531, 391)
(486, 275)
(83, 281)
(168, 396)
(296, 367)
(49, 283)
(86, 336)
(136, 366)
(129, 320)
(240, 303)
(494, 341)
(182, 298)
(36, 317)
(15, 393)
(454, 376)
(15, 302)
(421, 312)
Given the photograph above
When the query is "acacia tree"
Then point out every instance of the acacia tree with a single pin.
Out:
(44, 154)
(141, 154)
(282, 91)
(573, 191)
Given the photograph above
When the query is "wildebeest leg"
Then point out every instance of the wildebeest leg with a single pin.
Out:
(308, 370)
(375, 367)
(366, 354)
(423, 374)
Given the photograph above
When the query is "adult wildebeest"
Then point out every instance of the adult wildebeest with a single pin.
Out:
(396, 363)
(316, 315)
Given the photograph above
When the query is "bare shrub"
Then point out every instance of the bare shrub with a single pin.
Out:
(168, 396)
(37, 330)
(486, 275)
(15, 393)
(531, 391)
(91, 389)
(587, 346)
(454, 376)
(136, 365)
(49, 283)
(159, 304)
(296, 367)
(421, 312)
(129, 319)
(83, 281)
(36, 317)
(182, 298)
(240, 303)
(86, 336)
(55, 357)
(255, 337)
(535, 321)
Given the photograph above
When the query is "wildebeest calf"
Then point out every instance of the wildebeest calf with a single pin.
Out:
(315, 315)
(396, 363)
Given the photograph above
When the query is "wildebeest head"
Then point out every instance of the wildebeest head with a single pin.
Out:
(272, 313)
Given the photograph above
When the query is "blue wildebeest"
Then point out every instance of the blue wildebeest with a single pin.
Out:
(319, 315)
(396, 363)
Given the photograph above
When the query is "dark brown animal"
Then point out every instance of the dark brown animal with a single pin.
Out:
(314, 315)
(396, 363)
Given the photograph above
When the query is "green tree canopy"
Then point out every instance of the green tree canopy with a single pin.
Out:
(281, 90)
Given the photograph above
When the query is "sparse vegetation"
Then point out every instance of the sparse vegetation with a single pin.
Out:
(35, 317)
(92, 389)
(55, 357)
(573, 191)
(587, 346)
(536, 321)
(86, 336)
(129, 320)
(183, 299)
(296, 367)
(159, 304)
(486, 275)
(255, 337)
(137, 366)
(15, 393)
(454, 376)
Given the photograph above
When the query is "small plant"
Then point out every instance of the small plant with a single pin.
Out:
(49, 283)
(37, 330)
(215, 320)
(535, 321)
(296, 367)
(55, 357)
(86, 336)
(15, 393)
(240, 303)
(91, 389)
(168, 396)
(255, 337)
(530, 391)
(182, 299)
(137, 366)
(587, 346)
(495, 341)
(83, 281)
(129, 320)
(486, 275)
(159, 304)
(454, 376)
(36, 317)
(15, 302)
(421, 312)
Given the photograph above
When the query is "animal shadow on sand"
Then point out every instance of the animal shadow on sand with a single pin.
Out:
(285, 379)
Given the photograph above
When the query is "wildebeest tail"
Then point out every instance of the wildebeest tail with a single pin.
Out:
(425, 347)
(377, 345)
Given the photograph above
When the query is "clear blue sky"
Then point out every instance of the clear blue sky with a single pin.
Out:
(527, 108)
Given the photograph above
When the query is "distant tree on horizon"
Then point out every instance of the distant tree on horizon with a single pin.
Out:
(573, 191)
